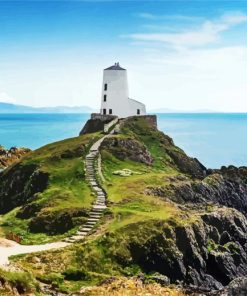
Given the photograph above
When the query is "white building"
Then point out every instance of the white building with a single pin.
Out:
(115, 94)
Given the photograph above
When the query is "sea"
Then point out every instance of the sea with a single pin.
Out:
(216, 139)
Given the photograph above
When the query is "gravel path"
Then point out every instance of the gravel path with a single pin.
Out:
(9, 248)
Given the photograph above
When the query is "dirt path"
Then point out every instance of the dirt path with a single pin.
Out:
(9, 248)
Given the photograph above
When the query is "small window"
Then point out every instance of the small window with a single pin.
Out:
(105, 87)
(105, 98)
(104, 111)
(110, 111)
(138, 112)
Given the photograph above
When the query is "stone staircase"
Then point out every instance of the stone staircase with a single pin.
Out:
(92, 170)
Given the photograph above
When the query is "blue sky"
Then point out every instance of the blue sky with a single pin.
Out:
(183, 55)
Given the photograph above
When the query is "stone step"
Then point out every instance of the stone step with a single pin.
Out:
(97, 208)
(93, 184)
(81, 233)
(96, 215)
(98, 189)
(93, 219)
(102, 199)
(77, 237)
(87, 226)
(90, 223)
(87, 229)
(69, 240)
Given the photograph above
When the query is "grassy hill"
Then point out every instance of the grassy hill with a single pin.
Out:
(167, 216)
(45, 194)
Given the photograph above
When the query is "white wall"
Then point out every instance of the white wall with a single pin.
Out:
(118, 95)
(134, 105)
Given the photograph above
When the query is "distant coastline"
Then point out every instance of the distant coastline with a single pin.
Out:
(7, 108)
(215, 138)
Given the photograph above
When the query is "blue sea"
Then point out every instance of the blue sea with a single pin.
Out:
(215, 139)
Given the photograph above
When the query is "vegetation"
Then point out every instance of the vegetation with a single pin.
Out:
(22, 282)
(140, 233)
(66, 195)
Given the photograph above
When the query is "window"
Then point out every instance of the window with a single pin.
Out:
(105, 87)
(105, 98)
(110, 111)
(104, 111)
(138, 112)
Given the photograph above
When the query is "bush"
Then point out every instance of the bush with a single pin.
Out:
(74, 274)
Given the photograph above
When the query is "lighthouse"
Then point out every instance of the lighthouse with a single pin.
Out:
(115, 94)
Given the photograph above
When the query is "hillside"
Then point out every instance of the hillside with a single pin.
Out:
(9, 108)
(169, 219)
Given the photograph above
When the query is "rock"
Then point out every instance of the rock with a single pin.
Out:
(160, 279)
(8, 157)
(96, 124)
(127, 148)
(19, 184)
(237, 287)
(55, 222)
(183, 252)
(214, 189)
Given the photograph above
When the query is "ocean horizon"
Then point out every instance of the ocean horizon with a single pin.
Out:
(216, 139)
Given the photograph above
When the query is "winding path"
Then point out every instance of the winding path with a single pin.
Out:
(9, 248)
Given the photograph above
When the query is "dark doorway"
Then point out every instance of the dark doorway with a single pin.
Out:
(104, 111)
(110, 111)
(138, 112)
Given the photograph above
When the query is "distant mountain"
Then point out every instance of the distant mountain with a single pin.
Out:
(12, 108)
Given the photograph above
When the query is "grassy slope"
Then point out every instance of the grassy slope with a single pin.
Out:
(130, 203)
(67, 189)
(132, 216)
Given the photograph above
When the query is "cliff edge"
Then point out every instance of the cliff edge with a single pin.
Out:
(169, 219)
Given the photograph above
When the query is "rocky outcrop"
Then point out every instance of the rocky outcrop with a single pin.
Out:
(237, 287)
(208, 253)
(96, 124)
(216, 188)
(58, 222)
(148, 134)
(19, 184)
(127, 148)
(7, 157)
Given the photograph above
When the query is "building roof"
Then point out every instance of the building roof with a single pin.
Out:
(137, 101)
(116, 66)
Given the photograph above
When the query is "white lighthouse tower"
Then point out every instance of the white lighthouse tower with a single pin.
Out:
(115, 94)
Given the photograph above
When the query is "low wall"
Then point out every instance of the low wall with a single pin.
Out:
(107, 126)
(102, 117)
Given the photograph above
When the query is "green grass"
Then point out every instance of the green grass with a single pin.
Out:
(23, 282)
(137, 210)
(67, 188)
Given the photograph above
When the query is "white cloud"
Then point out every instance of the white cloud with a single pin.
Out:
(5, 98)
(194, 79)
(207, 33)
(150, 16)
